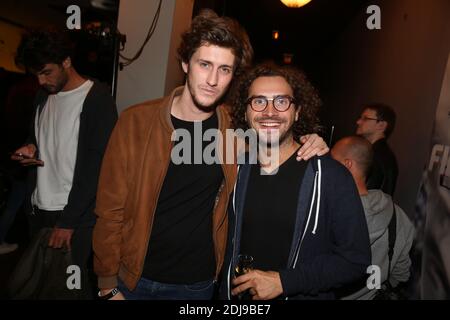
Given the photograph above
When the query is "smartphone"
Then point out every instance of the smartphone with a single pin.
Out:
(25, 156)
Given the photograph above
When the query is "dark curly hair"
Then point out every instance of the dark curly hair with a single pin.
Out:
(42, 46)
(305, 96)
(209, 28)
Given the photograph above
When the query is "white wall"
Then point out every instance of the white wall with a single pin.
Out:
(182, 20)
(156, 70)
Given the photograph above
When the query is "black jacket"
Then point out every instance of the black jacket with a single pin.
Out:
(324, 255)
(384, 171)
(97, 119)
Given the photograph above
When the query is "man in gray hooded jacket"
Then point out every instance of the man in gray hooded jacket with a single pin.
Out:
(356, 154)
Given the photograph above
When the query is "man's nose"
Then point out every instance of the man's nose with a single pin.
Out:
(270, 109)
(212, 78)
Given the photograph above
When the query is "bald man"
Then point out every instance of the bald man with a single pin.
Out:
(356, 154)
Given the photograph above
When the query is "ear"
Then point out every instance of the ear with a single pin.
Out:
(185, 66)
(382, 125)
(67, 63)
(297, 113)
(348, 163)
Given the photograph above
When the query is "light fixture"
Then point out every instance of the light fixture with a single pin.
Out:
(287, 58)
(275, 34)
(295, 3)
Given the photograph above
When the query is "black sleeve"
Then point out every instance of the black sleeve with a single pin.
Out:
(350, 254)
(102, 118)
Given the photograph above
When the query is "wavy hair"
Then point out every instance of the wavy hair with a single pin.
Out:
(39, 47)
(305, 95)
(209, 28)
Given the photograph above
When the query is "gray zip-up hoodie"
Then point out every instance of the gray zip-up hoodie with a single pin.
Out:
(378, 209)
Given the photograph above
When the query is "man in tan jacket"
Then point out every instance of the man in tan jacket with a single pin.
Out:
(162, 226)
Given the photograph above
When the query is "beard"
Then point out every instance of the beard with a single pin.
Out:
(60, 84)
(53, 89)
(204, 107)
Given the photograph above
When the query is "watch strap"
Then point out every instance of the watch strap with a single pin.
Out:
(109, 295)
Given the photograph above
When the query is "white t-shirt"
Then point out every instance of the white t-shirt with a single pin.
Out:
(56, 130)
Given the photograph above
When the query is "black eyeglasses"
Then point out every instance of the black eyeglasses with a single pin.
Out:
(364, 118)
(280, 103)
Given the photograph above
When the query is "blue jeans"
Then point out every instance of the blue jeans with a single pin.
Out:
(152, 290)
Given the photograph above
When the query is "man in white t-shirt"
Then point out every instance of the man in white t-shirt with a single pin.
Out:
(71, 127)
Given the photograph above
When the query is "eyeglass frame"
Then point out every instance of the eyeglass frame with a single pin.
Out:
(291, 101)
(364, 118)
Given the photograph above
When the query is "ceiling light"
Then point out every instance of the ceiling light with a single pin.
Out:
(295, 3)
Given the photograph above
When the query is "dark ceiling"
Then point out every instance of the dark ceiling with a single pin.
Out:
(304, 32)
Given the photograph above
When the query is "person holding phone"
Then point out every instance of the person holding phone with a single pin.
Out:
(74, 117)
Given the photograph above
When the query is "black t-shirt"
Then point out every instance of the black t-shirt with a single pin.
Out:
(181, 249)
(269, 214)
(384, 171)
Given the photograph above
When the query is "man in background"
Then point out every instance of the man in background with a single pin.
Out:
(73, 119)
(356, 154)
(376, 124)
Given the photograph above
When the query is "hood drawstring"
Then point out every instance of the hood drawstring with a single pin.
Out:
(317, 186)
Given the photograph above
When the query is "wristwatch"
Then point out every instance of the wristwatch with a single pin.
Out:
(109, 295)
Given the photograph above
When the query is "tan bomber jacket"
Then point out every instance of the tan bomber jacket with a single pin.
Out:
(133, 170)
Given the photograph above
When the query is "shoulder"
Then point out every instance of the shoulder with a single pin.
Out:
(100, 87)
(144, 108)
(331, 167)
(336, 179)
(381, 149)
(100, 91)
(100, 98)
(142, 114)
